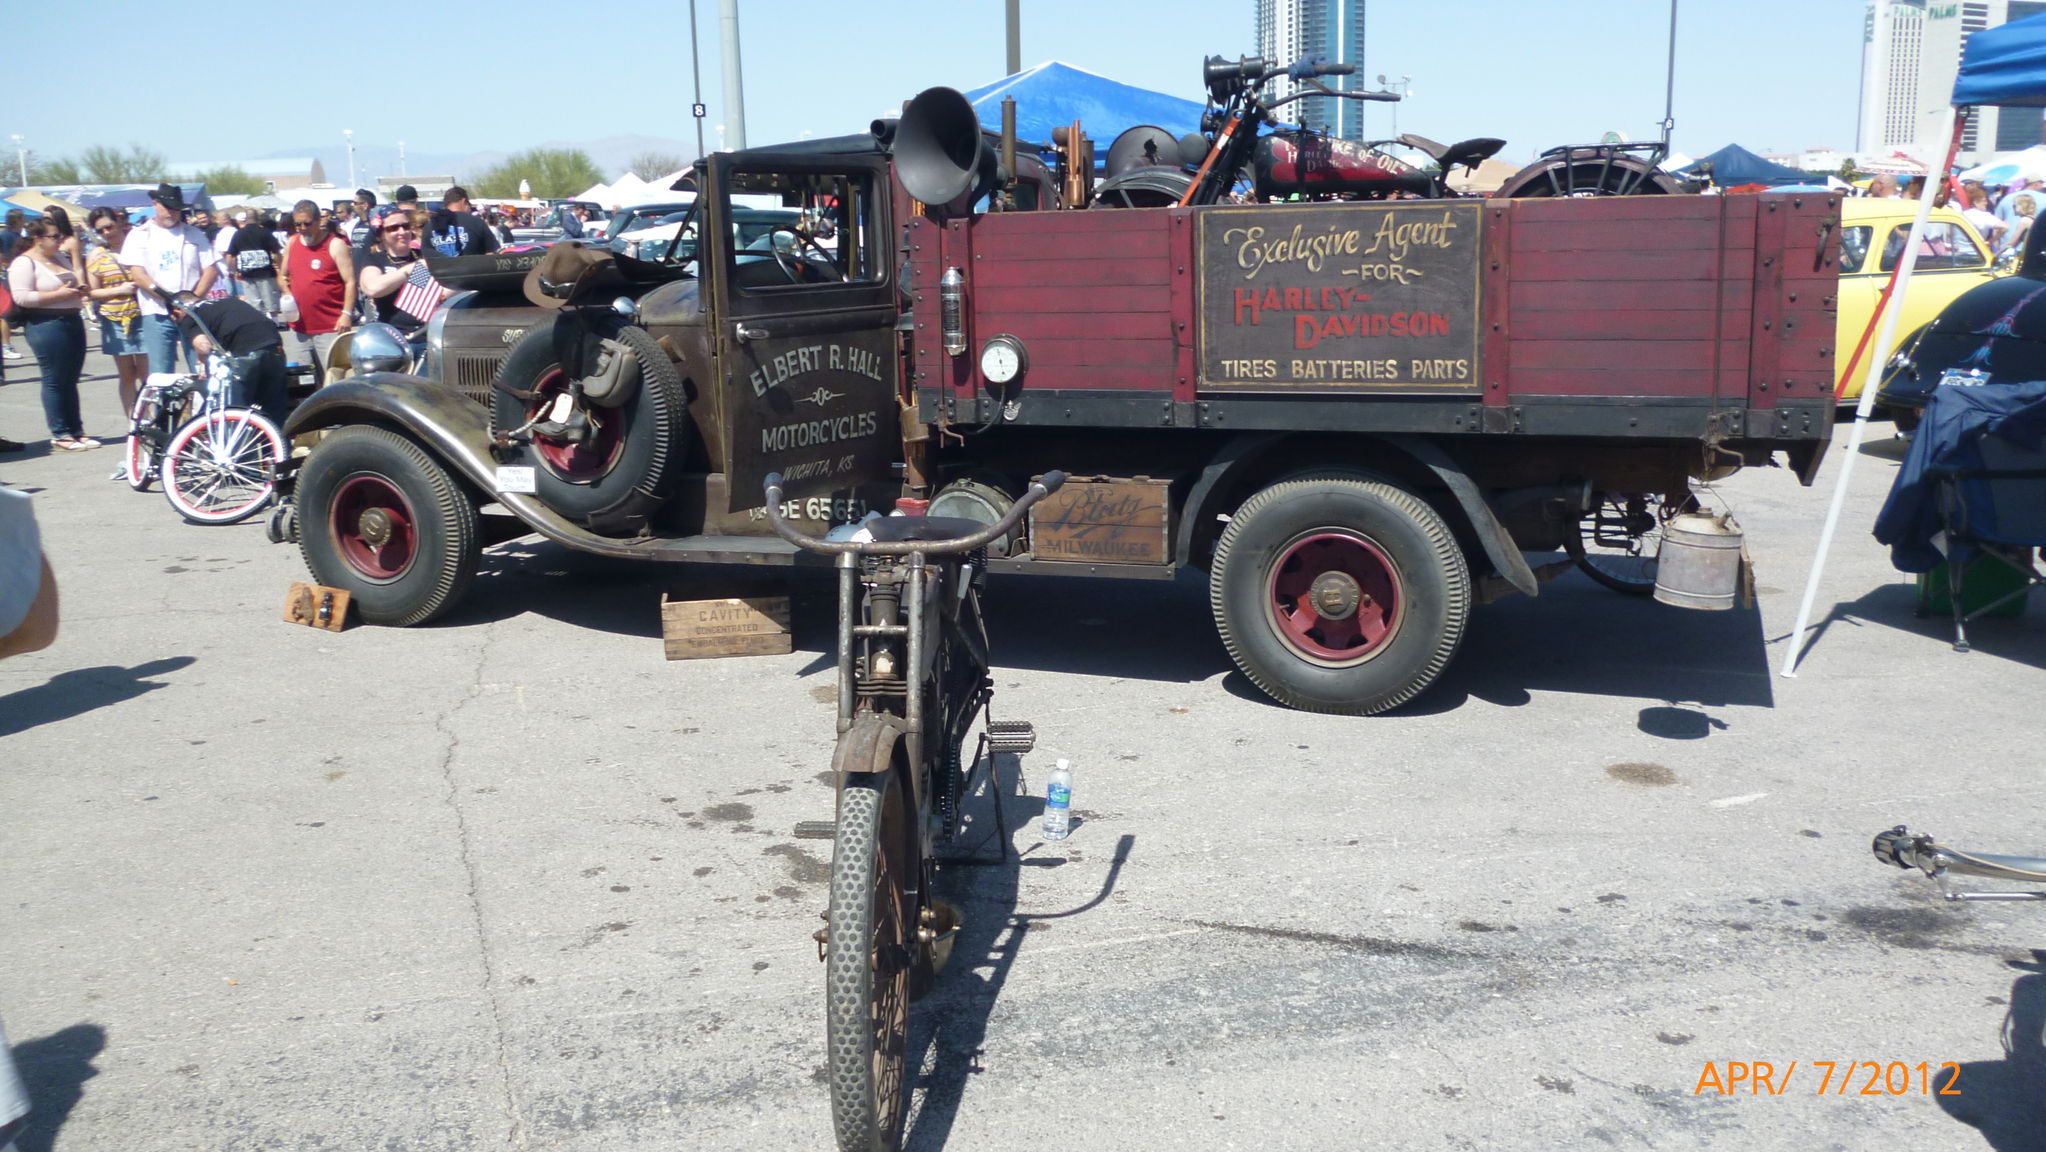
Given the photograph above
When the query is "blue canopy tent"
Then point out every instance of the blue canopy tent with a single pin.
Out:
(1053, 95)
(2003, 66)
(1733, 166)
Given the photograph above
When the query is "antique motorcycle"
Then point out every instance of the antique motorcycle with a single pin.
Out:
(1244, 144)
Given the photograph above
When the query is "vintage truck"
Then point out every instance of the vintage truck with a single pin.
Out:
(1355, 416)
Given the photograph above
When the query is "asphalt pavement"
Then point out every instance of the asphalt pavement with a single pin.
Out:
(513, 881)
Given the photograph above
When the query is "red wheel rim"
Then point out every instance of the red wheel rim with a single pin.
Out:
(373, 525)
(589, 460)
(1334, 597)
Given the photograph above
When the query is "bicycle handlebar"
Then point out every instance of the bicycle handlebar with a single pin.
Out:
(1044, 486)
(1901, 847)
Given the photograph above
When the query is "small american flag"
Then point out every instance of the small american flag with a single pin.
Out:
(421, 293)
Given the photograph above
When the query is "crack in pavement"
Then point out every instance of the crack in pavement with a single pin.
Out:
(444, 723)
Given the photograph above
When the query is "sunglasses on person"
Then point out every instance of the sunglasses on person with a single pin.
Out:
(107, 229)
(397, 227)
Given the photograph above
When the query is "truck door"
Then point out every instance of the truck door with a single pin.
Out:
(804, 309)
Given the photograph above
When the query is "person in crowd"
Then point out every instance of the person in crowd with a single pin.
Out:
(407, 197)
(167, 255)
(1975, 207)
(319, 275)
(386, 267)
(1882, 186)
(2006, 208)
(498, 228)
(572, 222)
(2024, 209)
(113, 293)
(72, 247)
(455, 230)
(12, 236)
(364, 232)
(202, 219)
(252, 254)
(243, 334)
(50, 292)
(279, 226)
(28, 623)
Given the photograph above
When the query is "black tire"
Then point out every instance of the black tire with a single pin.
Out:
(1391, 570)
(867, 965)
(613, 485)
(383, 520)
(1556, 176)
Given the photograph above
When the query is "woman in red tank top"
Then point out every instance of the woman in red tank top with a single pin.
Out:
(319, 276)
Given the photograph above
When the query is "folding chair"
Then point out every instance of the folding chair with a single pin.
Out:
(1997, 511)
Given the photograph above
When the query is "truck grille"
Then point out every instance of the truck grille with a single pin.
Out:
(472, 372)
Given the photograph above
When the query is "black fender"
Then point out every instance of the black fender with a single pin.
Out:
(456, 430)
(1242, 451)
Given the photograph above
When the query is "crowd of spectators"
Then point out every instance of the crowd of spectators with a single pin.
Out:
(316, 271)
(2001, 213)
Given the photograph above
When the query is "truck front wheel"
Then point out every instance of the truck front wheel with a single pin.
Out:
(1346, 596)
(381, 519)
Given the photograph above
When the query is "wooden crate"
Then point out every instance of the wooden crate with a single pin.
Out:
(1104, 520)
(726, 620)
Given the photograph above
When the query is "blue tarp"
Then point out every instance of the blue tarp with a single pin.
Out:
(1967, 429)
(1733, 166)
(2005, 65)
(1053, 95)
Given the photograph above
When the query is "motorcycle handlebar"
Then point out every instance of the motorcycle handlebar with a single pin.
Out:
(1901, 847)
(1043, 486)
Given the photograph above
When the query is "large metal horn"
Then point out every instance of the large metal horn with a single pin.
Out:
(940, 154)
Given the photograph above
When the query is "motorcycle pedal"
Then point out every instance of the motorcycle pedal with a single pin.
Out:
(1015, 736)
(816, 829)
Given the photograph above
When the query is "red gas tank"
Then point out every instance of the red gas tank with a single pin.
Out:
(1309, 164)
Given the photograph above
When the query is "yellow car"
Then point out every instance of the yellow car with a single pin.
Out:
(1951, 259)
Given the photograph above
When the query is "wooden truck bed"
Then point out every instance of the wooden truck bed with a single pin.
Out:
(1706, 317)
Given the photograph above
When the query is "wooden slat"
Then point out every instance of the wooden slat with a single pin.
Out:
(1536, 212)
(1157, 354)
(1034, 249)
(1601, 326)
(1611, 382)
(1647, 269)
(1102, 379)
(1036, 326)
(1604, 295)
(1602, 236)
(1096, 272)
(1074, 299)
(1646, 356)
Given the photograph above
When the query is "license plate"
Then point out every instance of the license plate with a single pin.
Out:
(1963, 376)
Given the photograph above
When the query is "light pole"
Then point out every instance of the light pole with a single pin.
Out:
(401, 157)
(21, 157)
(349, 135)
(1403, 87)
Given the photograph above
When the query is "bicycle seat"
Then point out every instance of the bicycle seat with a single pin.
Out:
(895, 529)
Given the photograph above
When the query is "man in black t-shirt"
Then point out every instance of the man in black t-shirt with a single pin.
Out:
(245, 335)
(456, 231)
(252, 255)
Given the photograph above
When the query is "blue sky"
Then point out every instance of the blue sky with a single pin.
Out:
(451, 80)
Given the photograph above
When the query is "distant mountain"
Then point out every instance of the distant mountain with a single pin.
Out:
(610, 154)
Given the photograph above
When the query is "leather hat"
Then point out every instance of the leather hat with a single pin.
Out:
(569, 271)
(170, 196)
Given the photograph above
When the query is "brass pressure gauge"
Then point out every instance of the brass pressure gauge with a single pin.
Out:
(1003, 360)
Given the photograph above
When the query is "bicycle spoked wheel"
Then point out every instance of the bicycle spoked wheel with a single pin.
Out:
(1619, 542)
(222, 468)
(142, 459)
(867, 962)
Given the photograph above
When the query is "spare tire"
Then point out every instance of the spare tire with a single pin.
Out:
(615, 479)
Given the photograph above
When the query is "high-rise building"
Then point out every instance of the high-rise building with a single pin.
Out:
(1289, 30)
(1911, 53)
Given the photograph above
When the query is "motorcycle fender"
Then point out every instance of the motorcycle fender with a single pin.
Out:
(868, 747)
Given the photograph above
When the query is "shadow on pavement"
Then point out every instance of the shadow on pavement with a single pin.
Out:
(2005, 1099)
(1896, 606)
(81, 690)
(55, 1069)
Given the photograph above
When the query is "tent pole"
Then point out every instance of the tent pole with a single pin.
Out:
(1957, 119)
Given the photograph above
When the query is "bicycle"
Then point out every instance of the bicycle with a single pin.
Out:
(912, 680)
(220, 466)
(1903, 849)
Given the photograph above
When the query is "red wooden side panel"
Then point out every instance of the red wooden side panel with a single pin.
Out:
(1090, 295)
(1668, 296)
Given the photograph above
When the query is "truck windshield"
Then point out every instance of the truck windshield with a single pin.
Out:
(816, 236)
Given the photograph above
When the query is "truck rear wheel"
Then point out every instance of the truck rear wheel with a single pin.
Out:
(381, 519)
(617, 476)
(1344, 596)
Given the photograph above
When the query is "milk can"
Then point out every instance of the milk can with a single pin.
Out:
(1699, 564)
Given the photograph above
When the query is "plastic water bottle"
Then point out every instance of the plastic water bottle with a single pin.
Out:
(1058, 801)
